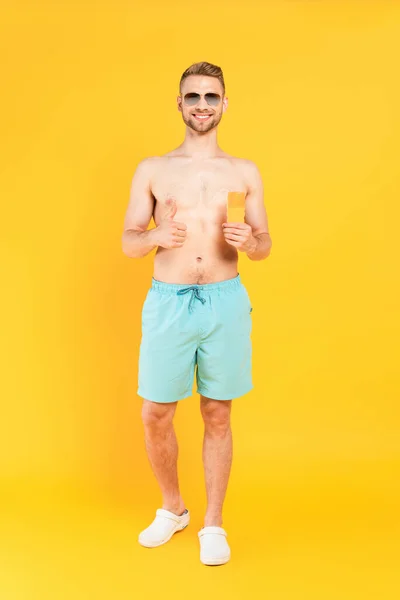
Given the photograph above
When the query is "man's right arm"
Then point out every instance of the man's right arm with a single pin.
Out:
(137, 241)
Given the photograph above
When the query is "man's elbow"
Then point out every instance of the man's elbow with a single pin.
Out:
(128, 251)
(268, 248)
(128, 248)
(264, 247)
(259, 255)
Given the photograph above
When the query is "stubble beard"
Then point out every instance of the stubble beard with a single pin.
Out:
(198, 128)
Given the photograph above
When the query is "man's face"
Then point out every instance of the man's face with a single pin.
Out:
(199, 115)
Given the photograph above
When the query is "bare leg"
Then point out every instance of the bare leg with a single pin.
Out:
(162, 451)
(217, 455)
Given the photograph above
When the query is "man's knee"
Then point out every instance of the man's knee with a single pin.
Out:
(156, 415)
(216, 414)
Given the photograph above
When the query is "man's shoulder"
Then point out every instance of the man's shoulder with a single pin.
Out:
(149, 162)
(148, 165)
(246, 165)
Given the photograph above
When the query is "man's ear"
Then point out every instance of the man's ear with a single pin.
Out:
(179, 103)
(225, 103)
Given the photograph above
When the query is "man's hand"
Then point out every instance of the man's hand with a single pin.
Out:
(170, 233)
(240, 235)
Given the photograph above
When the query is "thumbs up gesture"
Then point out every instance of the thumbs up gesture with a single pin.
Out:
(170, 233)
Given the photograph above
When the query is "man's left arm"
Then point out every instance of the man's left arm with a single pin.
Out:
(252, 236)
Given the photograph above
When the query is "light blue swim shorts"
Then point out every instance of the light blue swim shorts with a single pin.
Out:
(203, 328)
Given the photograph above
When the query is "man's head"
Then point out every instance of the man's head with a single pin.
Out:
(202, 93)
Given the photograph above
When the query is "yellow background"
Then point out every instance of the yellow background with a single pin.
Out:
(88, 90)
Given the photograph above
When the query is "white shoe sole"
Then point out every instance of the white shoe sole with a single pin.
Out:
(212, 562)
(155, 545)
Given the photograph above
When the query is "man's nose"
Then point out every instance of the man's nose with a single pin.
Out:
(202, 104)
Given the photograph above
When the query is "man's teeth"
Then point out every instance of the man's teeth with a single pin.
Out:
(202, 116)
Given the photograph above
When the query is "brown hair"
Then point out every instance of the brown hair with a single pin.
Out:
(204, 68)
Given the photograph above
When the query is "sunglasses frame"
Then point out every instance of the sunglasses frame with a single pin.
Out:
(199, 96)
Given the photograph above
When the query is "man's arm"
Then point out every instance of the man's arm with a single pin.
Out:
(136, 240)
(256, 216)
(252, 236)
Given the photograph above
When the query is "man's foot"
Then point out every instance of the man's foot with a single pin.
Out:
(214, 548)
(163, 528)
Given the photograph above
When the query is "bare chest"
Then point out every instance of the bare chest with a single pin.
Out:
(197, 188)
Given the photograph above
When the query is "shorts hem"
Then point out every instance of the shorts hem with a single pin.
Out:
(147, 397)
(224, 396)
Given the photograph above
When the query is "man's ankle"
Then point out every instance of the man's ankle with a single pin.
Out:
(213, 521)
(178, 508)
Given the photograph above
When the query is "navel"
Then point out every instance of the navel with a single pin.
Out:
(199, 259)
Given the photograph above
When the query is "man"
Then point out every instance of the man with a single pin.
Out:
(197, 311)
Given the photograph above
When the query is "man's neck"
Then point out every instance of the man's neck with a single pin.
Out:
(197, 145)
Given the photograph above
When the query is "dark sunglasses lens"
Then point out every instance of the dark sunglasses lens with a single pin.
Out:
(191, 99)
(213, 99)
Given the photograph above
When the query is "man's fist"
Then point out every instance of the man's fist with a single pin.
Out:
(170, 233)
(239, 235)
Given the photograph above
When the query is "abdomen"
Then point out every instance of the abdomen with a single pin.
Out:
(205, 257)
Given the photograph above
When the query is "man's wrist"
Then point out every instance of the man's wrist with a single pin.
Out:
(152, 236)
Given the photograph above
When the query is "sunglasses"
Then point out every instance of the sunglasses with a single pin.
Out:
(192, 99)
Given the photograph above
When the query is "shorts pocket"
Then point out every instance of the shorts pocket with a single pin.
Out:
(248, 301)
(150, 308)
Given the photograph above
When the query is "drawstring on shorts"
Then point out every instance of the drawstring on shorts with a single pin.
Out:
(195, 294)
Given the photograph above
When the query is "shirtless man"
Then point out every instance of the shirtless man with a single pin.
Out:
(197, 311)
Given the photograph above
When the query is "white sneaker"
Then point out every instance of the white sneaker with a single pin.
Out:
(214, 548)
(163, 528)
